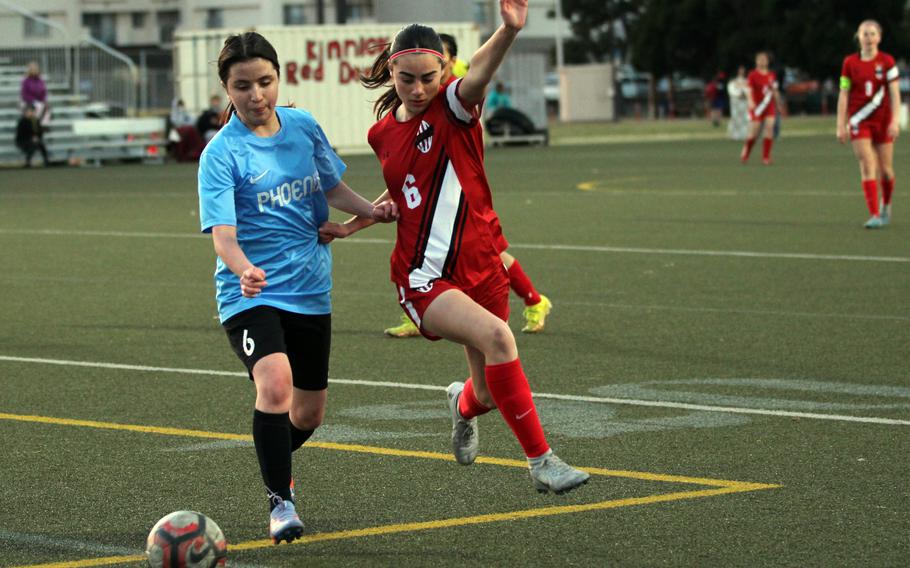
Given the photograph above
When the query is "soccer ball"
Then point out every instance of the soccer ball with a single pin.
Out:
(186, 539)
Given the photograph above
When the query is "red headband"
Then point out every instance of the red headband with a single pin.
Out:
(398, 54)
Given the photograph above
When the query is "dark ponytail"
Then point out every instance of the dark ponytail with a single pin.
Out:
(238, 49)
(409, 37)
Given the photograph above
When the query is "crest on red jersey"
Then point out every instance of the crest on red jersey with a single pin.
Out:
(424, 140)
(879, 72)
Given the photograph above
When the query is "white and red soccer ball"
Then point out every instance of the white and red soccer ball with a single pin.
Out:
(186, 539)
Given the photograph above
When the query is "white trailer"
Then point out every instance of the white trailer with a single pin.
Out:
(320, 70)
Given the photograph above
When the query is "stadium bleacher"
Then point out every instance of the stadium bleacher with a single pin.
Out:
(80, 131)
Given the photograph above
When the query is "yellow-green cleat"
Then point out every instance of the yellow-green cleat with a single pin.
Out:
(405, 329)
(536, 315)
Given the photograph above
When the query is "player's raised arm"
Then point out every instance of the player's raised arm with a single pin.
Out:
(487, 59)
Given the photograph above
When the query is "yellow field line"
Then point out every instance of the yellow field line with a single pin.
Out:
(432, 525)
(375, 450)
(722, 487)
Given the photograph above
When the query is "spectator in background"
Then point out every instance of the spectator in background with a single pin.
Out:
(209, 122)
(497, 98)
(30, 135)
(738, 92)
(718, 100)
(186, 142)
(33, 91)
(179, 115)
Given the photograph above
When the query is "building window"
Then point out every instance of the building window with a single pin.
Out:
(168, 20)
(138, 19)
(214, 18)
(102, 27)
(359, 10)
(300, 13)
(34, 28)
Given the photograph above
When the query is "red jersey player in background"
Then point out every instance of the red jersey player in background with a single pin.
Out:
(764, 102)
(445, 264)
(537, 306)
(868, 111)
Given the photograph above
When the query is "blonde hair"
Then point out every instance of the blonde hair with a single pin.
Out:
(875, 23)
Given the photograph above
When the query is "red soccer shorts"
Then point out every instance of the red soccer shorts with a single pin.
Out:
(877, 131)
(769, 112)
(492, 294)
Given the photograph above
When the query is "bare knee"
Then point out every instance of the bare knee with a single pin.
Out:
(307, 418)
(273, 386)
(500, 344)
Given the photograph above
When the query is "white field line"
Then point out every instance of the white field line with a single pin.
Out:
(660, 137)
(529, 246)
(567, 397)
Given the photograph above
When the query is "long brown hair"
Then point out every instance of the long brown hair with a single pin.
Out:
(238, 49)
(409, 37)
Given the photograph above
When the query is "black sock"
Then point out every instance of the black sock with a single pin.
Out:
(299, 437)
(272, 438)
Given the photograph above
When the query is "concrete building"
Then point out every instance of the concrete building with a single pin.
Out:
(144, 29)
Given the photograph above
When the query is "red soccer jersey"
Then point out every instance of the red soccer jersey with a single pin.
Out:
(868, 82)
(762, 86)
(433, 168)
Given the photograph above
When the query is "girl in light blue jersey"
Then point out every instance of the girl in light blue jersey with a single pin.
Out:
(265, 183)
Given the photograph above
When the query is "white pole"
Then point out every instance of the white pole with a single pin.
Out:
(560, 59)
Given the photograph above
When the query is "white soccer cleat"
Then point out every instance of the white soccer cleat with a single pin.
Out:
(465, 440)
(874, 222)
(884, 212)
(284, 524)
(553, 474)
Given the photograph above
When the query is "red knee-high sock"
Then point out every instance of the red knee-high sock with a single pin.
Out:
(747, 149)
(870, 190)
(512, 395)
(468, 405)
(887, 190)
(522, 285)
(766, 148)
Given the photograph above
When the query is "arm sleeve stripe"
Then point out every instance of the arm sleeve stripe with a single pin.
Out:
(845, 83)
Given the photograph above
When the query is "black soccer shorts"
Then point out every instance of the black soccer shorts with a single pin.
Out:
(305, 339)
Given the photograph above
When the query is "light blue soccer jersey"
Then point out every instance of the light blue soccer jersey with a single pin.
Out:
(272, 190)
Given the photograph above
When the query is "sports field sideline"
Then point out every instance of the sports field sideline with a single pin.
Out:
(727, 356)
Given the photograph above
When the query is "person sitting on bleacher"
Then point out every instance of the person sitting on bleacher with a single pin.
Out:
(209, 122)
(186, 143)
(30, 135)
(497, 98)
(34, 92)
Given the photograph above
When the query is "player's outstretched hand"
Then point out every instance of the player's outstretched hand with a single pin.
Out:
(252, 281)
(385, 212)
(329, 231)
(514, 13)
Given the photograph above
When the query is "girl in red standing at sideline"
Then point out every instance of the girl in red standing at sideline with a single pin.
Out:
(445, 264)
(868, 110)
(764, 103)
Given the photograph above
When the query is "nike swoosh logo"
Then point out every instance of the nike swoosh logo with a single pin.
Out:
(259, 177)
(520, 416)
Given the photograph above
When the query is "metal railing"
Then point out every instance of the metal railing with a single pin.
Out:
(87, 66)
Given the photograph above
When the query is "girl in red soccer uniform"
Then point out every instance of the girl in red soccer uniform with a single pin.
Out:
(764, 100)
(446, 266)
(868, 110)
